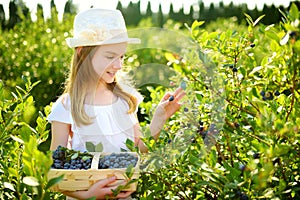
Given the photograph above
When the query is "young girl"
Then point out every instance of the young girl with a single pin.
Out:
(96, 107)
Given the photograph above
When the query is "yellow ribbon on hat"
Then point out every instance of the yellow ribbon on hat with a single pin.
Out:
(95, 34)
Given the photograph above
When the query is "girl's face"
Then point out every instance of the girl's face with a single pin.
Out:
(108, 60)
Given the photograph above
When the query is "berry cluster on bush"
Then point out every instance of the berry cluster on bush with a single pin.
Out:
(117, 160)
(269, 95)
(64, 158)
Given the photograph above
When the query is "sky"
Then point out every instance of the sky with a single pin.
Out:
(111, 4)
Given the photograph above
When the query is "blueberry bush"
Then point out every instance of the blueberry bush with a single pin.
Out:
(236, 136)
(24, 166)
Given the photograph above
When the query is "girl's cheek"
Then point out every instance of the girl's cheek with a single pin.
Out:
(99, 71)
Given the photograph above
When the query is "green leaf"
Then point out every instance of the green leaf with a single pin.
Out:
(129, 144)
(196, 24)
(129, 171)
(9, 186)
(258, 19)
(99, 147)
(170, 57)
(17, 139)
(92, 198)
(31, 181)
(84, 158)
(255, 69)
(285, 39)
(249, 19)
(74, 156)
(90, 146)
(297, 47)
(272, 35)
(54, 181)
(13, 172)
(294, 12)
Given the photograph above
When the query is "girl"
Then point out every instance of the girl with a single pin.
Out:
(96, 107)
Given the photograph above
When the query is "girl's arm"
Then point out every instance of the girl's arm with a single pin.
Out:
(137, 139)
(60, 134)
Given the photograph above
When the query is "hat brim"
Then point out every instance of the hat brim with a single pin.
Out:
(75, 42)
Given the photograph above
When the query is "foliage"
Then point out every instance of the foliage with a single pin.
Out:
(36, 52)
(236, 137)
(254, 155)
(23, 166)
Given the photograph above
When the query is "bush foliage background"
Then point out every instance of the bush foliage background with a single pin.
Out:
(253, 153)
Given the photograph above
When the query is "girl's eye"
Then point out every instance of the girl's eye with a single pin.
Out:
(110, 57)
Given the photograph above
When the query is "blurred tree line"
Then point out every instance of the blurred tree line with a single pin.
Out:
(18, 11)
(133, 14)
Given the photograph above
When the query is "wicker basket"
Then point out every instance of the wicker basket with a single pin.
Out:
(74, 180)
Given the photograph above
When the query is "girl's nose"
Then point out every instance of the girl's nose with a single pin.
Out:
(117, 64)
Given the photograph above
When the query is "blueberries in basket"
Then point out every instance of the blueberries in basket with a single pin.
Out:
(64, 158)
(115, 160)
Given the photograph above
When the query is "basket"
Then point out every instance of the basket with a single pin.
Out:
(74, 180)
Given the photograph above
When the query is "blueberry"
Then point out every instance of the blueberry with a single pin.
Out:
(277, 93)
(201, 128)
(203, 134)
(67, 165)
(58, 166)
(293, 34)
(242, 167)
(269, 96)
(237, 125)
(244, 196)
(252, 45)
(256, 155)
(262, 93)
(234, 69)
(185, 109)
(264, 98)
(171, 98)
(183, 85)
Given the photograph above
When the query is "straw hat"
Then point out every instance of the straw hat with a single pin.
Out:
(99, 26)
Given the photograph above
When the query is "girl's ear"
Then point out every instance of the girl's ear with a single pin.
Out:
(78, 50)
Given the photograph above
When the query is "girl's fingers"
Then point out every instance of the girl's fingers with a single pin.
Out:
(166, 96)
(180, 95)
(124, 194)
(104, 182)
(177, 91)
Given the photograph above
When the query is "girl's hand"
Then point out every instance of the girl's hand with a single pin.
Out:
(169, 104)
(100, 190)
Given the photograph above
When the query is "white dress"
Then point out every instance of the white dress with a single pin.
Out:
(112, 125)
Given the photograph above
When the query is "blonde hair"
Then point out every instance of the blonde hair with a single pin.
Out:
(82, 75)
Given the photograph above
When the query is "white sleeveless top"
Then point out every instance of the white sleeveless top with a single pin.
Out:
(111, 126)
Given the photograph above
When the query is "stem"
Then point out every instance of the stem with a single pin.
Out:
(240, 108)
(257, 109)
(219, 152)
(292, 92)
(229, 149)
